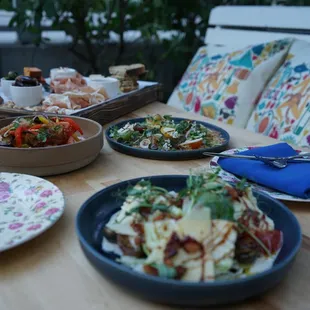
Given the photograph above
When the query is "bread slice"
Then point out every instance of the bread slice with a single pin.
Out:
(129, 70)
(33, 72)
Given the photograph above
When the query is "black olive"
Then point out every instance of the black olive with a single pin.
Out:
(247, 249)
(153, 146)
(109, 234)
(11, 75)
(25, 81)
(177, 141)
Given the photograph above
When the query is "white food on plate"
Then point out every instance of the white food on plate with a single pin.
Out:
(158, 236)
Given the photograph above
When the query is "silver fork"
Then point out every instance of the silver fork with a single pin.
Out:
(277, 162)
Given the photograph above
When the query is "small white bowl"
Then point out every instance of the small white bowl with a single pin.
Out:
(27, 96)
(62, 73)
(5, 85)
(111, 85)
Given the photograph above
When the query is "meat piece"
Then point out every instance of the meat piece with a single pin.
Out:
(190, 245)
(129, 248)
(247, 249)
(60, 86)
(172, 247)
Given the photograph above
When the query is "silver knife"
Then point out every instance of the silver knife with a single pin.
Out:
(305, 157)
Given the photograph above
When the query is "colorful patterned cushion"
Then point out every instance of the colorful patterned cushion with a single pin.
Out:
(225, 87)
(283, 112)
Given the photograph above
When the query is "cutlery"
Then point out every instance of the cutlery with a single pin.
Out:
(278, 162)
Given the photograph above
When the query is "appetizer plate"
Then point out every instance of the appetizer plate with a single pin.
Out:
(166, 155)
(229, 177)
(97, 210)
(28, 206)
(53, 160)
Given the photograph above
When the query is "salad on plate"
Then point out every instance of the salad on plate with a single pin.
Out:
(163, 133)
(208, 231)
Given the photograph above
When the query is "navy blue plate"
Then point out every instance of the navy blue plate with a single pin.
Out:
(97, 210)
(166, 155)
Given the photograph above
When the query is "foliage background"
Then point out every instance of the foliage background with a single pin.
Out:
(91, 22)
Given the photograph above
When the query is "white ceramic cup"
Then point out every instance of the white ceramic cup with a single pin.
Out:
(111, 85)
(27, 96)
(62, 73)
(5, 85)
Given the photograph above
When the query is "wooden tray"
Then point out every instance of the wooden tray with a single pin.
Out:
(107, 111)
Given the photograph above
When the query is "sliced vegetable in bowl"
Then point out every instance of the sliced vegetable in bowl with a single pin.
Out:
(40, 131)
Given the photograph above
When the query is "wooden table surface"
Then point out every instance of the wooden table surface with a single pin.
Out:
(51, 272)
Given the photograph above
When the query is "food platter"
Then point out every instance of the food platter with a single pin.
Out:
(98, 210)
(96, 97)
(53, 160)
(28, 206)
(167, 155)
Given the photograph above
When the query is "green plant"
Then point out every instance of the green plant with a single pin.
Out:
(91, 22)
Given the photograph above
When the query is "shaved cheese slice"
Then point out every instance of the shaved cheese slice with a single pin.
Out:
(199, 270)
(158, 233)
(123, 227)
(196, 224)
(224, 236)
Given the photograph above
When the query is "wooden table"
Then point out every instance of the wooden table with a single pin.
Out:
(51, 272)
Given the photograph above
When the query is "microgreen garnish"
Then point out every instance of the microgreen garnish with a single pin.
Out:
(43, 134)
(203, 190)
(242, 185)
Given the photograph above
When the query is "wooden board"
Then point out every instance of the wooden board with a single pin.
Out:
(107, 112)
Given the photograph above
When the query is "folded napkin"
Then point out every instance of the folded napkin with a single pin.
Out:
(293, 180)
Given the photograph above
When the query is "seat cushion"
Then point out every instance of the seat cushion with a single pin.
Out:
(283, 111)
(225, 87)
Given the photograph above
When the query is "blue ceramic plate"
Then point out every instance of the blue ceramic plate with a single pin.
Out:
(96, 211)
(166, 155)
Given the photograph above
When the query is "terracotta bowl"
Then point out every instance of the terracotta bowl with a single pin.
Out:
(53, 160)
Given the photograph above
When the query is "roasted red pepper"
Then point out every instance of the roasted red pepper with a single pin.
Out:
(36, 126)
(73, 124)
(18, 135)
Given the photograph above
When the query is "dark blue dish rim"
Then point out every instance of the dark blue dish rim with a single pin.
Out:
(178, 283)
(167, 154)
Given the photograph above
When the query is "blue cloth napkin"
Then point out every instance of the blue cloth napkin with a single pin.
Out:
(293, 180)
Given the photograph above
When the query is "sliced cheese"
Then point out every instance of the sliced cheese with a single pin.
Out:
(196, 224)
(224, 237)
(122, 227)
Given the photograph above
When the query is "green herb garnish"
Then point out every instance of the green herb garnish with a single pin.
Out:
(165, 271)
(43, 134)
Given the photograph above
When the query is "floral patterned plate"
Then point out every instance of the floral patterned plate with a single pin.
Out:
(28, 206)
(229, 177)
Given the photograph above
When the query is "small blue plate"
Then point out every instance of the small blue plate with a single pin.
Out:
(166, 155)
(97, 210)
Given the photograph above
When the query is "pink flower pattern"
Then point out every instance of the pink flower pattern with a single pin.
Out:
(51, 211)
(39, 206)
(20, 225)
(15, 226)
(46, 193)
(34, 227)
(4, 191)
